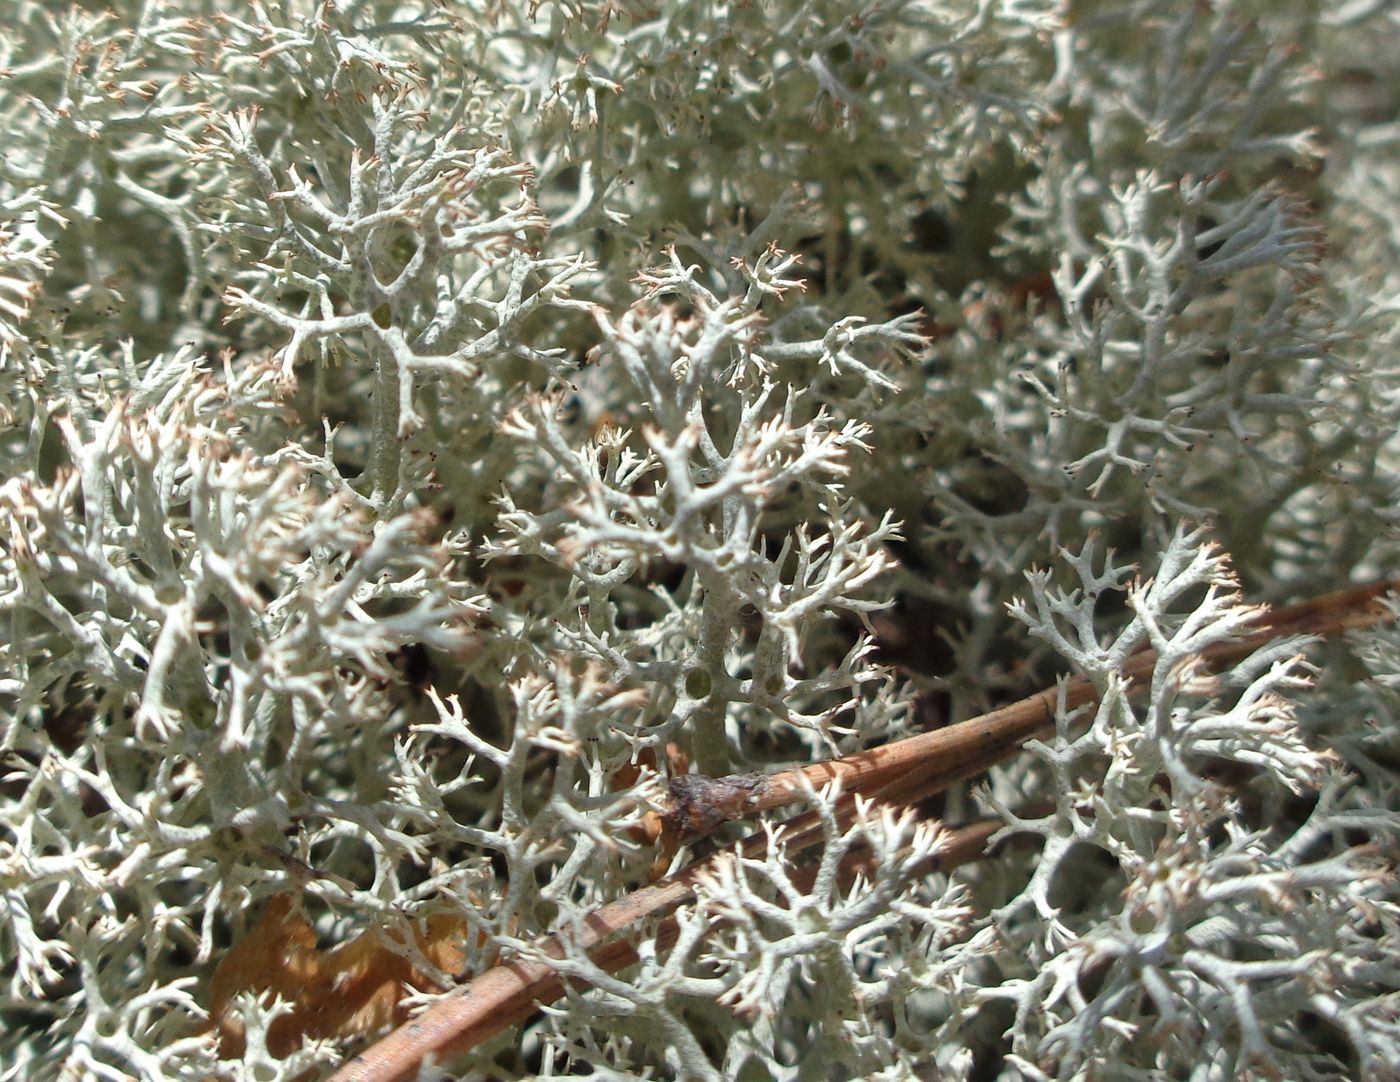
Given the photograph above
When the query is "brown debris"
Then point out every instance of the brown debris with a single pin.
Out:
(354, 988)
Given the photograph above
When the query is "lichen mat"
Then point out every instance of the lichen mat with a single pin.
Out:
(901, 773)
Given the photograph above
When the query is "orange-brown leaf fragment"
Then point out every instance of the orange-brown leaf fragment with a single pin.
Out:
(352, 989)
(364, 980)
(278, 956)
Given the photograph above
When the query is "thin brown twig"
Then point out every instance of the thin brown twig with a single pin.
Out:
(512, 991)
(906, 771)
(941, 756)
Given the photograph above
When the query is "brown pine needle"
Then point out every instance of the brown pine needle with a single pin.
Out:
(906, 771)
(930, 762)
(512, 991)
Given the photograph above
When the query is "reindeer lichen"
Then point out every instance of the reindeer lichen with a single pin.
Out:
(454, 455)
